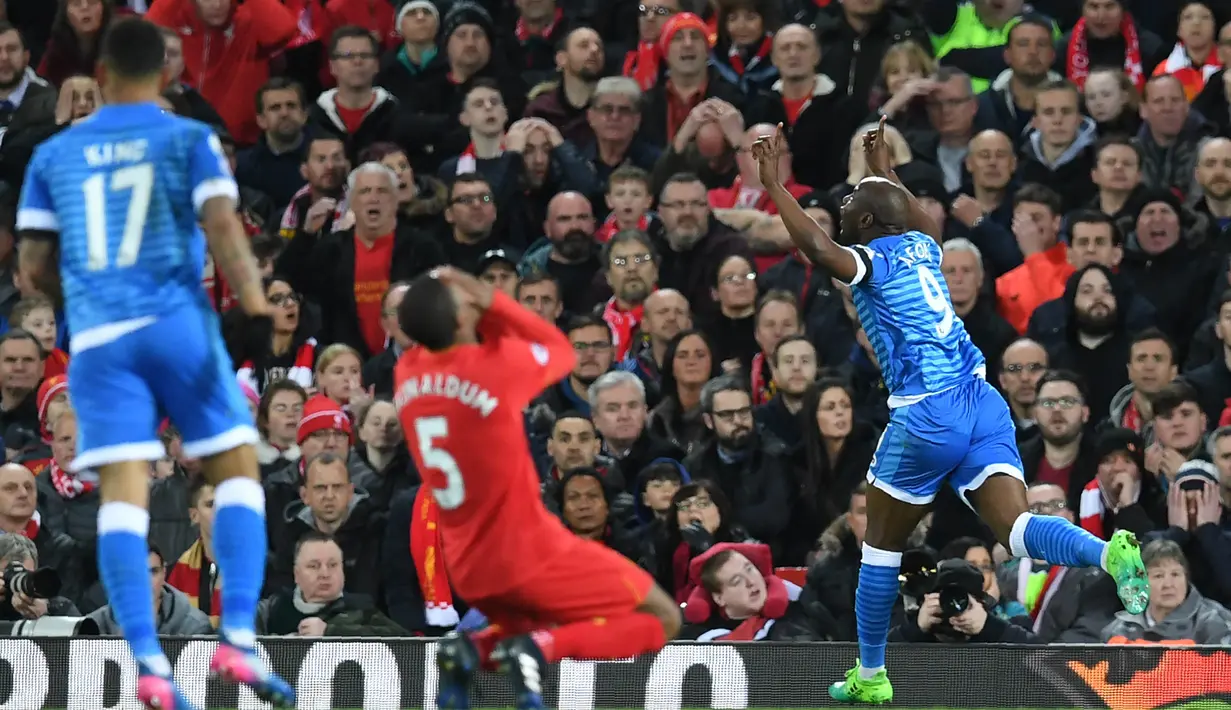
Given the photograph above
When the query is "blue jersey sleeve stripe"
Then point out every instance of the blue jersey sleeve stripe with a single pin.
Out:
(214, 187)
(35, 219)
(863, 264)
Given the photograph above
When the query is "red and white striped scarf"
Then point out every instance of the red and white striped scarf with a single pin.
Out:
(523, 31)
(291, 216)
(68, 485)
(1078, 59)
(468, 161)
(1091, 509)
(623, 324)
(736, 58)
(425, 550)
(300, 373)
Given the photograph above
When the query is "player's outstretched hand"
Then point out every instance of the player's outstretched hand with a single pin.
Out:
(876, 150)
(768, 151)
(479, 293)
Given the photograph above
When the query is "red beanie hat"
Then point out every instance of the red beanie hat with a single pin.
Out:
(321, 413)
(47, 391)
(681, 21)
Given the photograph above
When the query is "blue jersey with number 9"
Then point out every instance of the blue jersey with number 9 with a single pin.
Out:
(904, 306)
(122, 190)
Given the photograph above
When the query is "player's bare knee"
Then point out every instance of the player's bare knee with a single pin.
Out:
(662, 606)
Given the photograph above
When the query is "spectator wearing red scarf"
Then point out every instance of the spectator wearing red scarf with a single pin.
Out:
(644, 64)
(1107, 36)
(226, 54)
(745, 38)
(632, 273)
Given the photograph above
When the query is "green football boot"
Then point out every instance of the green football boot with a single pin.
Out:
(1122, 561)
(856, 690)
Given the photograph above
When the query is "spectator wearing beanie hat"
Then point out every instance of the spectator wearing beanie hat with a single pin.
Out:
(469, 42)
(1166, 247)
(684, 46)
(404, 67)
(324, 427)
(1199, 523)
(1122, 494)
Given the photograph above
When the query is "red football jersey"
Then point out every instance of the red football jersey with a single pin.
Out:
(461, 410)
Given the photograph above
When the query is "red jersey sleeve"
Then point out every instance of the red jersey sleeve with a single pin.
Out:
(275, 24)
(533, 353)
(165, 13)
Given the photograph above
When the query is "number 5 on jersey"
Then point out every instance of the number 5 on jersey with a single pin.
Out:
(427, 431)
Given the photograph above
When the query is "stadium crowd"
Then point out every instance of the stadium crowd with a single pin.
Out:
(591, 158)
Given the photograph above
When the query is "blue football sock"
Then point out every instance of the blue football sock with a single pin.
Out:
(239, 545)
(874, 600)
(1051, 538)
(123, 565)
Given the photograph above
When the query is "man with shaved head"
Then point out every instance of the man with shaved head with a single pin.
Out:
(988, 213)
(665, 314)
(819, 119)
(571, 254)
(18, 501)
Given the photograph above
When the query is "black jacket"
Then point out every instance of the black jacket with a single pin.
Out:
(759, 486)
(359, 537)
(654, 111)
(278, 175)
(378, 125)
(1213, 384)
(403, 596)
(324, 270)
(853, 60)
(820, 137)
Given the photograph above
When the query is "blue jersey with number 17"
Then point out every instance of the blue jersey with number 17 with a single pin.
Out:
(122, 189)
(904, 306)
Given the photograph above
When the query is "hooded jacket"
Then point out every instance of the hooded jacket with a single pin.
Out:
(176, 616)
(1068, 174)
(1101, 366)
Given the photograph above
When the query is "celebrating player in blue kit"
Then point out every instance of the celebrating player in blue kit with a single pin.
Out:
(947, 424)
(117, 200)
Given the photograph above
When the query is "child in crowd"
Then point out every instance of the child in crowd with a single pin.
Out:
(629, 198)
(37, 315)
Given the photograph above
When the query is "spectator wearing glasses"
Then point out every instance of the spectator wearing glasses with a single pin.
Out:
(614, 115)
(591, 339)
(579, 65)
(645, 63)
(471, 215)
(1064, 454)
(753, 468)
(1067, 604)
(280, 347)
(632, 273)
(733, 328)
(357, 111)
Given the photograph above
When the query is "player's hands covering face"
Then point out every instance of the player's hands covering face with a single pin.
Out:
(475, 292)
(768, 151)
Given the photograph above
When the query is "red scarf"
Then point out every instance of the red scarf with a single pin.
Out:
(623, 324)
(30, 531)
(185, 575)
(736, 58)
(1078, 60)
(468, 162)
(1091, 508)
(299, 373)
(1132, 418)
(683, 586)
(425, 548)
(700, 606)
(609, 228)
(763, 390)
(524, 33)
(642, 64)
(68, 485)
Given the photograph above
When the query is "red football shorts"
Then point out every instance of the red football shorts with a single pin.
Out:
(590, 582)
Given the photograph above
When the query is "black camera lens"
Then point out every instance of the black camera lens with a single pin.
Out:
(953, 601)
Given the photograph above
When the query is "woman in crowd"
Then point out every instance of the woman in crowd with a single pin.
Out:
(745, 40)
(380, 463)
(837, 449)
(690, 363)
(1177, 611)
(1113, 102)
(733, 326)
(75, 37)
(977, 553)
(906, 71)
(703, 518)
(281, 347)
(338, 376)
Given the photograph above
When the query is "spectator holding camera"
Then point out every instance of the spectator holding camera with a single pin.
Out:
(1197, 521)
(1177, 611)
(959, 611)
(17, 555)
(175, 614)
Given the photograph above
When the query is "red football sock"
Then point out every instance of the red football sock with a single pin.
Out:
(602, 639)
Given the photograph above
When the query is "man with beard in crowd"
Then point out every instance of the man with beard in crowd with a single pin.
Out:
(1214, 177)
(570, 253)
(1063, 455)
(24, 97)
(313, 209)
(580, 62)
(275, 165)
(666, 313)
(794, 366)
(591, 339)
(1096, 341)
(632, 274)
(697, 243)
(1021, 366)
(752, 468)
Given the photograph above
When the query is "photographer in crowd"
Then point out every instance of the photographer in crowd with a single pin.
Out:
(28, 593)
(957, 610)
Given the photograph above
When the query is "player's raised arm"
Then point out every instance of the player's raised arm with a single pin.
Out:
(214, 196)
(811, 238)
(877, 153)
(38, 231)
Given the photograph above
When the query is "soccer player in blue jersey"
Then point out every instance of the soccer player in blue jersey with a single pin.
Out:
(116, 199)
(947, 425)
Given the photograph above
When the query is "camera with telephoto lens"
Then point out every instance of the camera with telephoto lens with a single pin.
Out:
(41, 583)
(954, 600)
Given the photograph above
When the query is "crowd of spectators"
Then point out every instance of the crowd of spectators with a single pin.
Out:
(591, 158)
